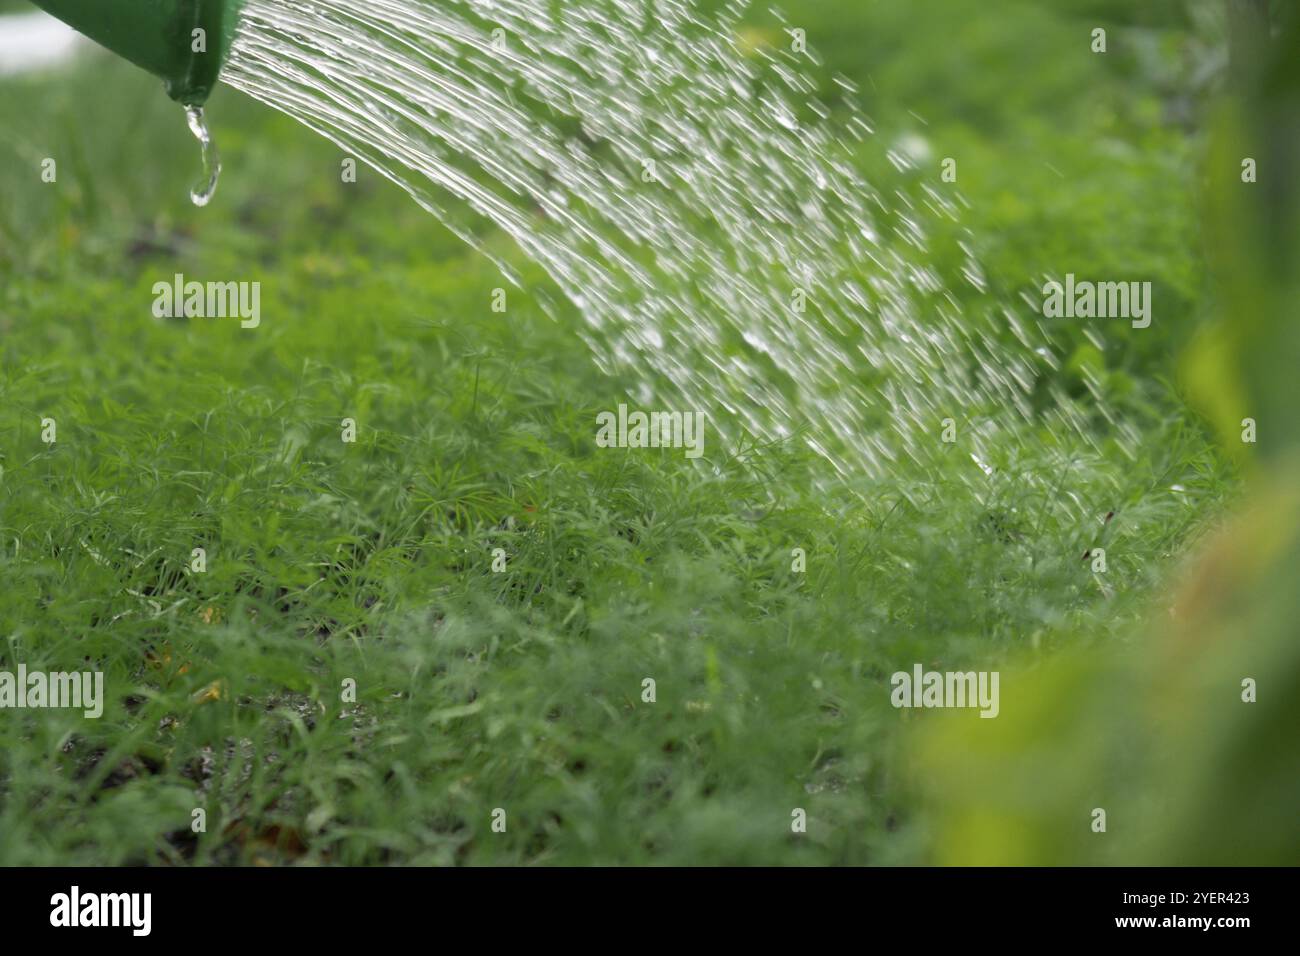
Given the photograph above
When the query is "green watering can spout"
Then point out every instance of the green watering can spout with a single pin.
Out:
(183, 41)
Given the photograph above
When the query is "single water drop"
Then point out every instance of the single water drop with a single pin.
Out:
(202, 194)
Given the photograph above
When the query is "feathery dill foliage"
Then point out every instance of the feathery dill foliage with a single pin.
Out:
(372, 561)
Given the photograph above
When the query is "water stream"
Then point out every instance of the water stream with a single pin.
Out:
(202, 193)
(690, 196)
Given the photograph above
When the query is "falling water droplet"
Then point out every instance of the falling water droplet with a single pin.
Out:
(202, 194)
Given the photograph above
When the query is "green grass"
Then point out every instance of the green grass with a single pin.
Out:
(371, 561)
